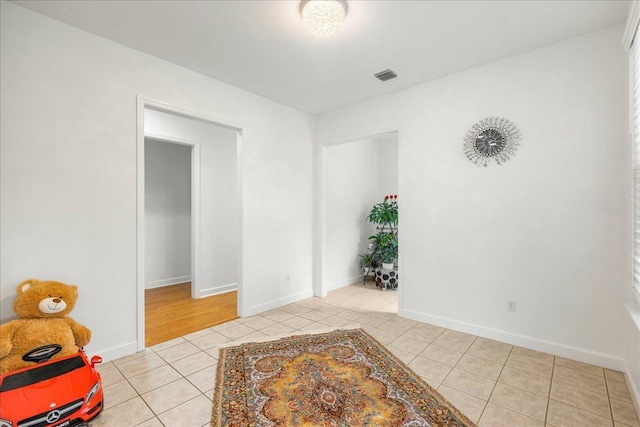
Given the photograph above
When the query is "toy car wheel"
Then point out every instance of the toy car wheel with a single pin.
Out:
(42, 354)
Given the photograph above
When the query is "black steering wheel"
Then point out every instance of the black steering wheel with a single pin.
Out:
(42, 354)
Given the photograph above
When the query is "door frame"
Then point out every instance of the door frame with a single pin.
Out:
(194, 241)
(321, 207)
(142, 104)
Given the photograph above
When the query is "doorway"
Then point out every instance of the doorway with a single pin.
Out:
(355, 175)
(168, 194)
(189, 223)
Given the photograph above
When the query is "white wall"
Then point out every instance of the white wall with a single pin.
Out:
(68, 173)
(387, 169)
(167, 170)
(550, 228)
(219, 235)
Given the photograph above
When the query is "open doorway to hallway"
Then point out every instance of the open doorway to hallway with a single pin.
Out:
(190, 255)
(357, 175)
(171, 312)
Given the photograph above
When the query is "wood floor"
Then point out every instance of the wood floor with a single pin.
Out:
(171, 312)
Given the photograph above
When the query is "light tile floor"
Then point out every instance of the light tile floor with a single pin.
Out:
(494, 384)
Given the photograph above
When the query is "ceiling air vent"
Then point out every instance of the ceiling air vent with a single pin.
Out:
(385, 75)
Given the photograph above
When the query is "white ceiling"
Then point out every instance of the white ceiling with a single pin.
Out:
(263, 46)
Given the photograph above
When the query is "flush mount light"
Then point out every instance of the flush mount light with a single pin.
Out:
(323, 17)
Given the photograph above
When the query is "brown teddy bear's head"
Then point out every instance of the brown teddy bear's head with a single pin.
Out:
(44, 299)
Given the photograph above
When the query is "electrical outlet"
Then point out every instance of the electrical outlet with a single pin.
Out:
(511, 305)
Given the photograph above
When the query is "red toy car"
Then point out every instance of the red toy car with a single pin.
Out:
(63, 392)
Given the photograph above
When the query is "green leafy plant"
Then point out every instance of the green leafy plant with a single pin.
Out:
(385, 247)
(367, 260)
(384, 244)
(385, 212)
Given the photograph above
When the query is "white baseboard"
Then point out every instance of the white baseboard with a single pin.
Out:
(270, 305)
(633, 382)
(217, 290)
(633, 389)
(569, 352)
(113, 353)
(342, 283)
(167, 282)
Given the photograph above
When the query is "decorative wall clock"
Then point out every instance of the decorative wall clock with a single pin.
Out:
(491, 138)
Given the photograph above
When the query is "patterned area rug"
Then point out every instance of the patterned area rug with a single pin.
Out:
(343, 378)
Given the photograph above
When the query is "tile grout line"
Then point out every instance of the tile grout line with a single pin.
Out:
(553, 369)
(496, 383)
(138, 394)
(587, 390)
(428, 344)
(167, 363)
(157, 415)
(606, 385)
(454, 366)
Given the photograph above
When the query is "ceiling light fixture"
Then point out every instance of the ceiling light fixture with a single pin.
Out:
(323, 17)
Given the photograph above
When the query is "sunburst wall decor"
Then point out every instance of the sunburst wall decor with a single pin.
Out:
(491, 138)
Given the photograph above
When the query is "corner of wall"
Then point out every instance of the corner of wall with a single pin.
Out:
(279, 302)
(117, 352)
(217, 290)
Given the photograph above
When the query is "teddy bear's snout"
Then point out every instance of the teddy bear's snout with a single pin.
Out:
(52, 305)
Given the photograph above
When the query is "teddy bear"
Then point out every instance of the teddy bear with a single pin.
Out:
(41, 308)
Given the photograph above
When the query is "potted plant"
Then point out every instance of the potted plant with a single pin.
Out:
(385, 243)
(385, 214)
(385, 248)
(368, 262)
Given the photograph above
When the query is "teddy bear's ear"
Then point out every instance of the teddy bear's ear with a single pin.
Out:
(27, 284)
(75, 288)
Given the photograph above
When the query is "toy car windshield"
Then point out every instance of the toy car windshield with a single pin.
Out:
(43, 373)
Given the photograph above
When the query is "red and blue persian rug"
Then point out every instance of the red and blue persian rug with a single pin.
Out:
(343, 378)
